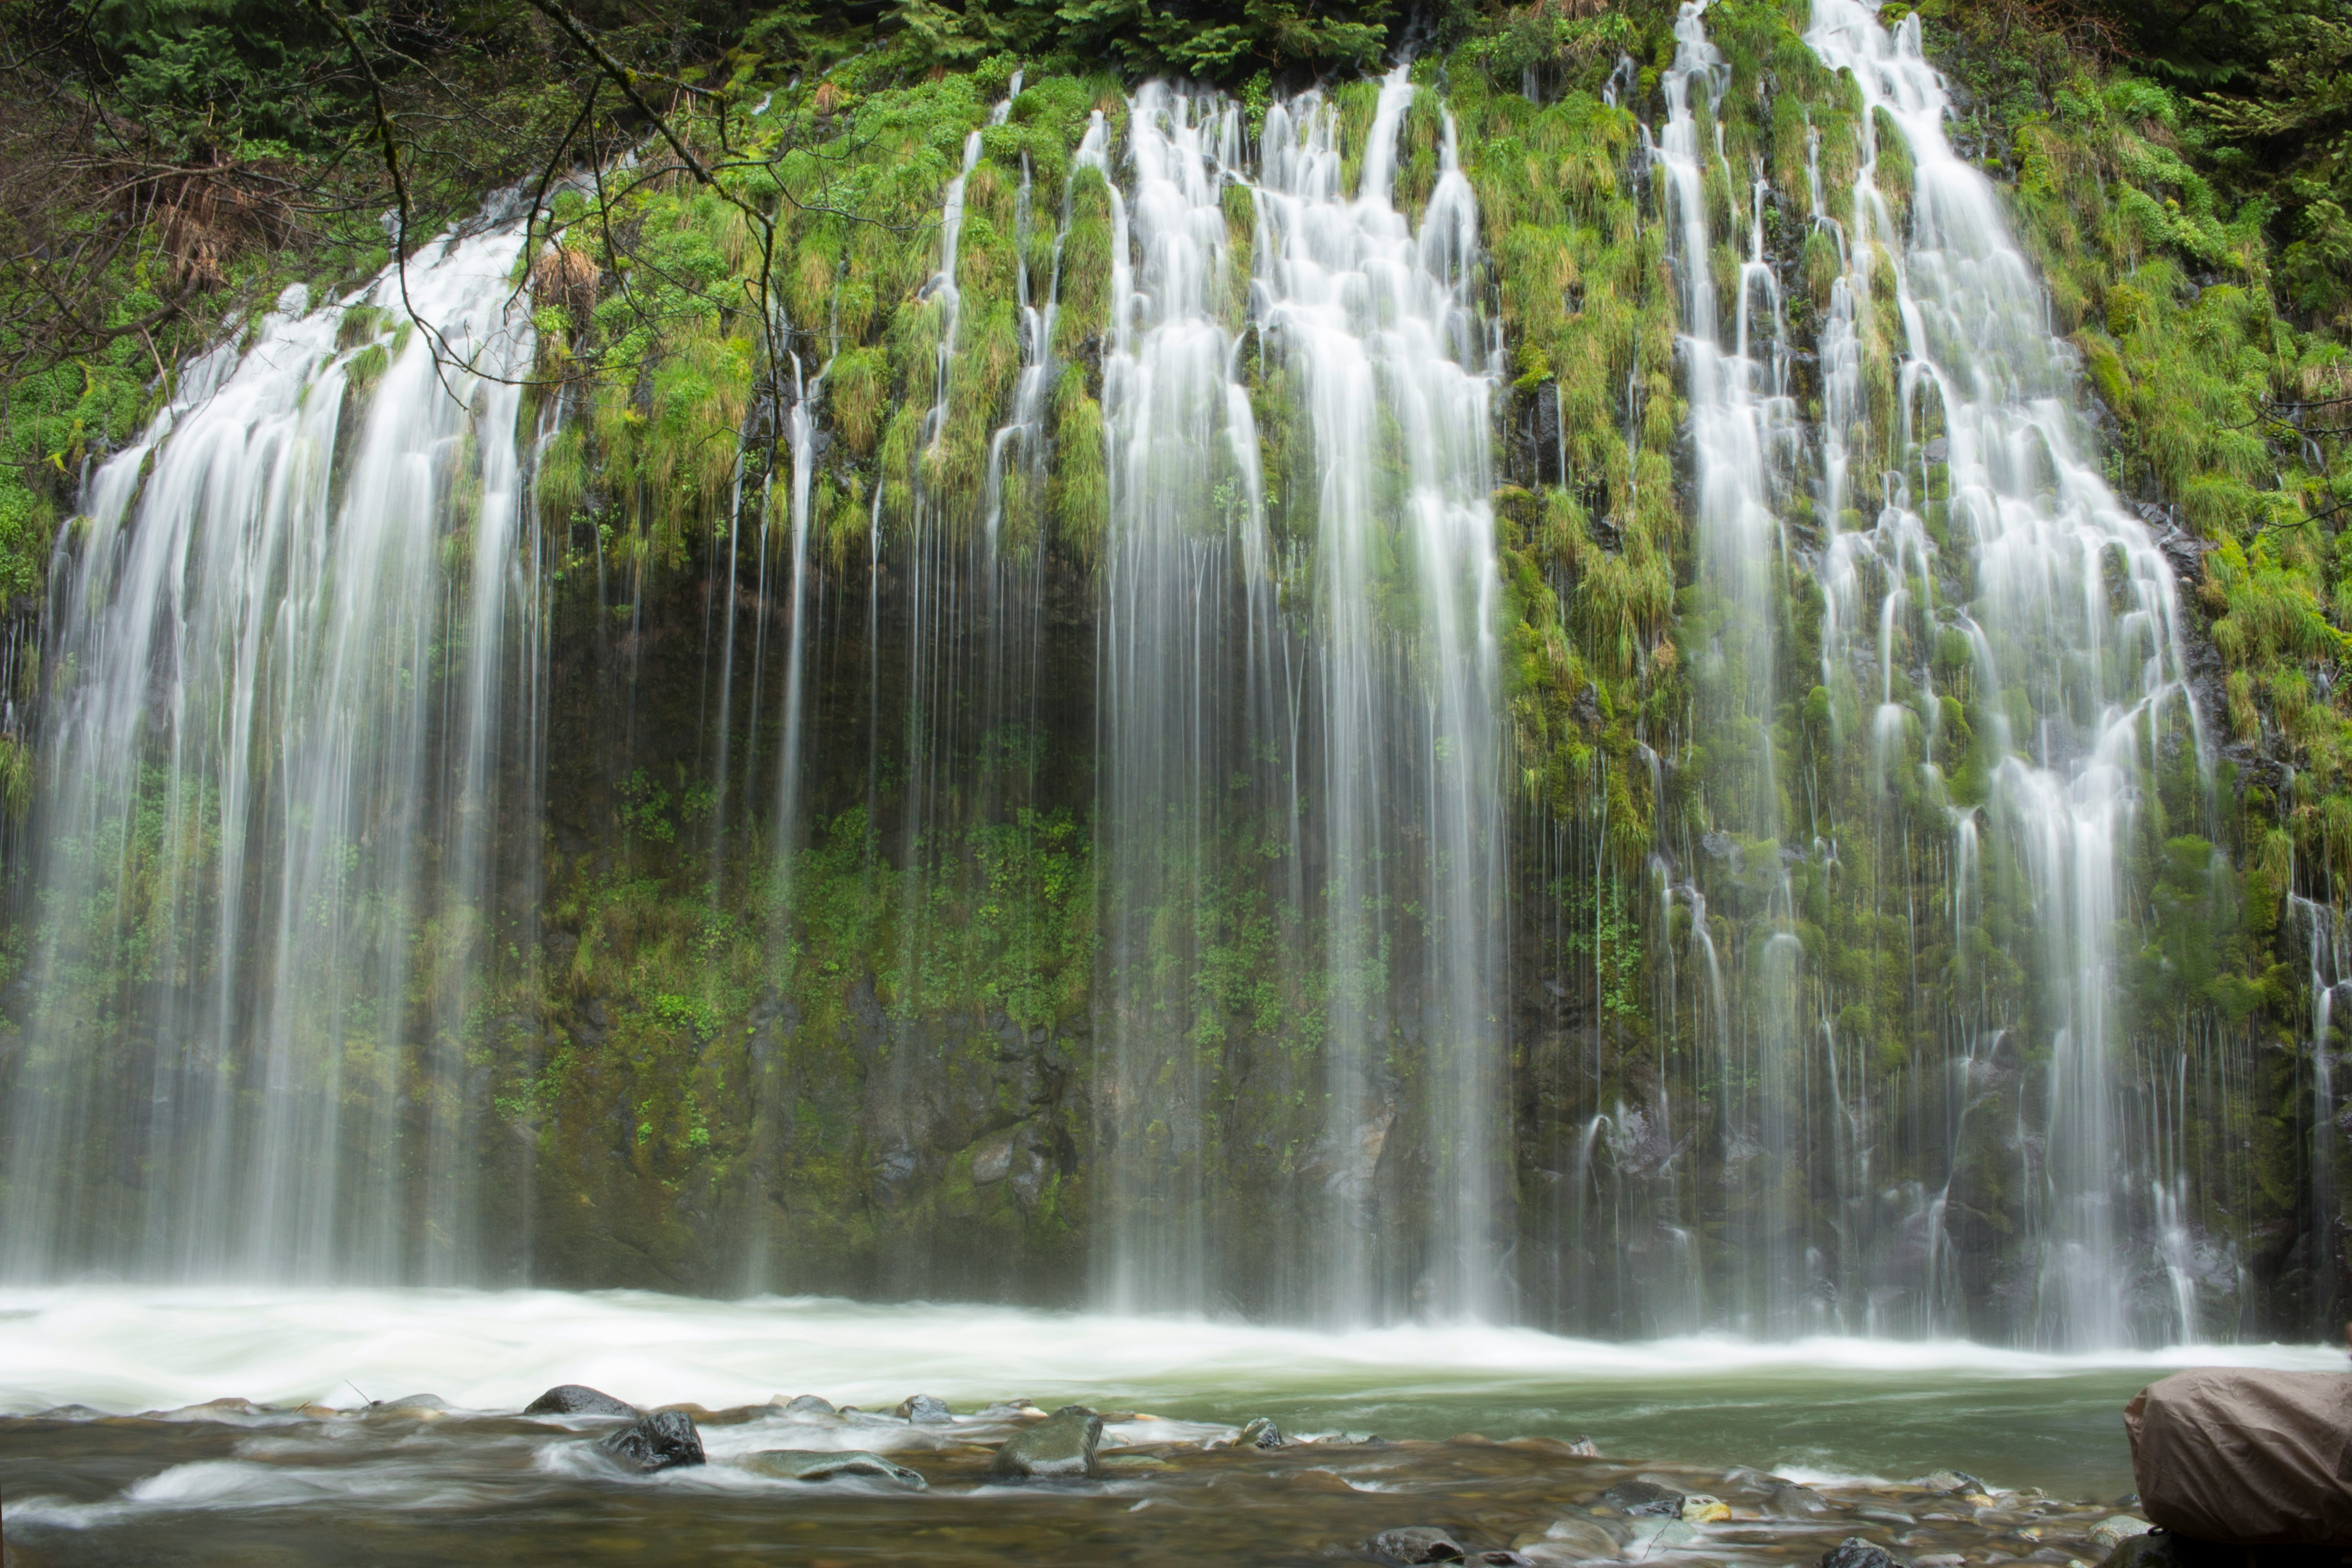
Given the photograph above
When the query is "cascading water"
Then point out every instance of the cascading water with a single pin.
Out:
(1876, 922)
(2068, 638)
(1319, 695)
(296, 640)
(1744, 447)
(1194, 689)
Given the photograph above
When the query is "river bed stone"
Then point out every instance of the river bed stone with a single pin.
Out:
(297, 1485)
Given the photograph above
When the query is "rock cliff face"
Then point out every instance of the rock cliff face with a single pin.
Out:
(1055, 770)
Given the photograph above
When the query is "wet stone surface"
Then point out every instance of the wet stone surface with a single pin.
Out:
(417, 1482)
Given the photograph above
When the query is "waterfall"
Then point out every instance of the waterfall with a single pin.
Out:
(1191, 673)
(1744, 447)
(292, 763)
(2069, 635)
(1340, 660)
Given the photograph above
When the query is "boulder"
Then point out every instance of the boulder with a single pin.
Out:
(1060, 1447)
(1699, 1508)
(807, 1407)
(1853, 1551)
(1416, 1544)
(825, 1465)
(1260, 1432)
(578, 1399)
(2246, 1457)
(1643, 1499)
(924, 1410)
(666, 1440)
(1949, 1483)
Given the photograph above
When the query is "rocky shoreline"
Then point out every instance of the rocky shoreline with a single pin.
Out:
(1075, 1484)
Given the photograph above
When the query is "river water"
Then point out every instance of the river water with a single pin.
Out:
(309, 1472)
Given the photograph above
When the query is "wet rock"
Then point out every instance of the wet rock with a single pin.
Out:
(666, 1440)
(807, 1407)
(427, 1405)
(2112, 1533)
(70, 1413)
(992, 1160)
(824, 1465)
(1416, 1544)
(1568, 1539)
(925, 1410)
(1699, 1508)
(1791, 1500)
(1005, 1408)
(1853, 1551)
(1585, 1448)
(1643, 1499)
(1062, 1446)
(1940, 1560)
(2162, 1549)
(1260, 1432)
(1949, 1482)
(579, 1399)
(227, 1409)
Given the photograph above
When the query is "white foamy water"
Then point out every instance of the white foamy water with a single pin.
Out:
(123, 1349)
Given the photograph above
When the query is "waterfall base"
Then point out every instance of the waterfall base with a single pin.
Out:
(343, 1460)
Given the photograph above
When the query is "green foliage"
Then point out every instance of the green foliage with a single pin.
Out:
(208, 74)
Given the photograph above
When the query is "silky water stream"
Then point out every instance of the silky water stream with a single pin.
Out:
(1467, 1429)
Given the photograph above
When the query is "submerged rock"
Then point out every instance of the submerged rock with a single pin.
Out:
(666, 1440)
(1260, 1432)
(1062, 1446)
(924, 1410)
(823, 1465)
(1791, 1501)
(579, 1399)
(1853, 1551)
(1643, 1499)
(1569, 1539)
(1416, 1544)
